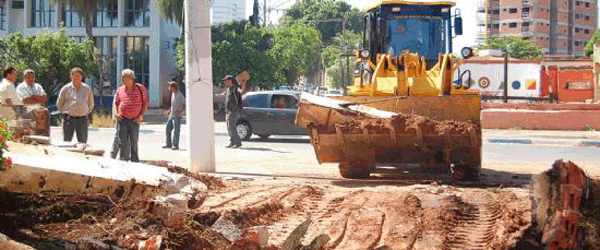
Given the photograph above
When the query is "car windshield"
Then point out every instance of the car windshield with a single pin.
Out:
(422, 34)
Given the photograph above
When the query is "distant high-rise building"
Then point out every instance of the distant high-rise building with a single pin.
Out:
(560, 27)
(222, 11)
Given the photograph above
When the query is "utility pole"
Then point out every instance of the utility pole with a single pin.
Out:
(265, 13)
(199, 87)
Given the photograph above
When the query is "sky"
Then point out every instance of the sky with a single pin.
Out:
(468, 11)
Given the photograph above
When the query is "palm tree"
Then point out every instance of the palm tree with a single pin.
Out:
(87, 10)
(172, 10)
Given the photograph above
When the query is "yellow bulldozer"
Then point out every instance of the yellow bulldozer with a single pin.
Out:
(404, 106)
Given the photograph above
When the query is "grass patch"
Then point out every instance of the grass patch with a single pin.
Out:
(589, 128)
(102, 120)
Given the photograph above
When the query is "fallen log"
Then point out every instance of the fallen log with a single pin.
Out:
(565, 208)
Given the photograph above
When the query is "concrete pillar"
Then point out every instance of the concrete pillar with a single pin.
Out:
(120, 45)
(155, 58)
(597, 72)
(199, 87)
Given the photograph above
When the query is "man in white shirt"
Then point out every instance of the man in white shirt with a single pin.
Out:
(30, 92)
(7, 88)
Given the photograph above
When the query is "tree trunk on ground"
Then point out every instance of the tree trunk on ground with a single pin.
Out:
(565, 208)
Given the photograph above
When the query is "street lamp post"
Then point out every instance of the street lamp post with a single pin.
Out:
(199, 87)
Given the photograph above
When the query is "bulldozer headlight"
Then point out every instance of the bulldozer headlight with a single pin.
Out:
(365, 54)
(466, 52)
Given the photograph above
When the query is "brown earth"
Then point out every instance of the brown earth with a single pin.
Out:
(406, 124)
(356, 217)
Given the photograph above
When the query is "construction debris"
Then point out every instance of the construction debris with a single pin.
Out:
(565, 208)
(226, 228)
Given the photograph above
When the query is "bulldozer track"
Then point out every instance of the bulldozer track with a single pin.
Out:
(474, 224)
(417, 218)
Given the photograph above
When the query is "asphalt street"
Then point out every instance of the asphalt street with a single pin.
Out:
(294, 156)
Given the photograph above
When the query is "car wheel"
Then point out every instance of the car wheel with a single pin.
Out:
(244, 130)
(264, 136)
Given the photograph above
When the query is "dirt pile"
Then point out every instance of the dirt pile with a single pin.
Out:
(406, 124)
(413, 217)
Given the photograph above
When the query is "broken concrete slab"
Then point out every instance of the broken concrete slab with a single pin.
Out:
(153, 243)
(226, 228)
(44, 140)
(318, 243)
(8, 244)
(41, 168)
(172, 216)
(88, 243)
(259, 234)
(293, 241)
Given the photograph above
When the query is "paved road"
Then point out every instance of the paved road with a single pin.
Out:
(294, 156)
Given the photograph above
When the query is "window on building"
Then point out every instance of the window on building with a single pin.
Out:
(107, 14)
(526, 24)
(18, 5)
(503, 10)
(587, 31)
(587, 18)
(2, 14)
(526, 10)
(576, 43)
(137, 57)
(495, 12)
(512, 10)
(587, 5)
(576, 16)
(495, 25)
(512, 25)
(137, 13)
(42, 14)
(576, 30)
(108, 47)
(78, 39)
(71, 18)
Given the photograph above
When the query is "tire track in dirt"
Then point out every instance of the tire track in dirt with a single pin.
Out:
(241, 196)
(473, 224)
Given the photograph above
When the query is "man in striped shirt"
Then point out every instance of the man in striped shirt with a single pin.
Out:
(129, 107)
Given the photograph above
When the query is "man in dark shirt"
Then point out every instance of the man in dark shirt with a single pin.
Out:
(233, 106)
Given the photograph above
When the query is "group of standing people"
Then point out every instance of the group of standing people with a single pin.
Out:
(76, 102)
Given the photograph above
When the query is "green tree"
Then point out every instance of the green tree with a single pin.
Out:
(589, 47)
(296, 50)
(322, 14)
(254, 19)
(272, 56)
(171, 9)
(347, 42)
(87, 10)
(50, 55)
(517, 47)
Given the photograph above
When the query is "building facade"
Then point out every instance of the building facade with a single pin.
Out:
(131, 33)
(560, 27)
(222, 11)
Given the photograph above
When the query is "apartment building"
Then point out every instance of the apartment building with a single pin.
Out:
(560, 27)
(222, 11)
(131, 31)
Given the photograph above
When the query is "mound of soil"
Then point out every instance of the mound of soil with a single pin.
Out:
(406, 124)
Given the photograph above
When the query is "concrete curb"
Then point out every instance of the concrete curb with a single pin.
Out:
(547, 141)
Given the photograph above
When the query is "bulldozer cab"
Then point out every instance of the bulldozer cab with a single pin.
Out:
(393, 27)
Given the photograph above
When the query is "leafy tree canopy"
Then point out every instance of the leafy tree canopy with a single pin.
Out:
(50, 55)
(517, 47)
(317, 12)
(589, 47)
(272, 56)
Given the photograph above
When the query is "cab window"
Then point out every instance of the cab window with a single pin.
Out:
(284, 102)
(255, 101)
